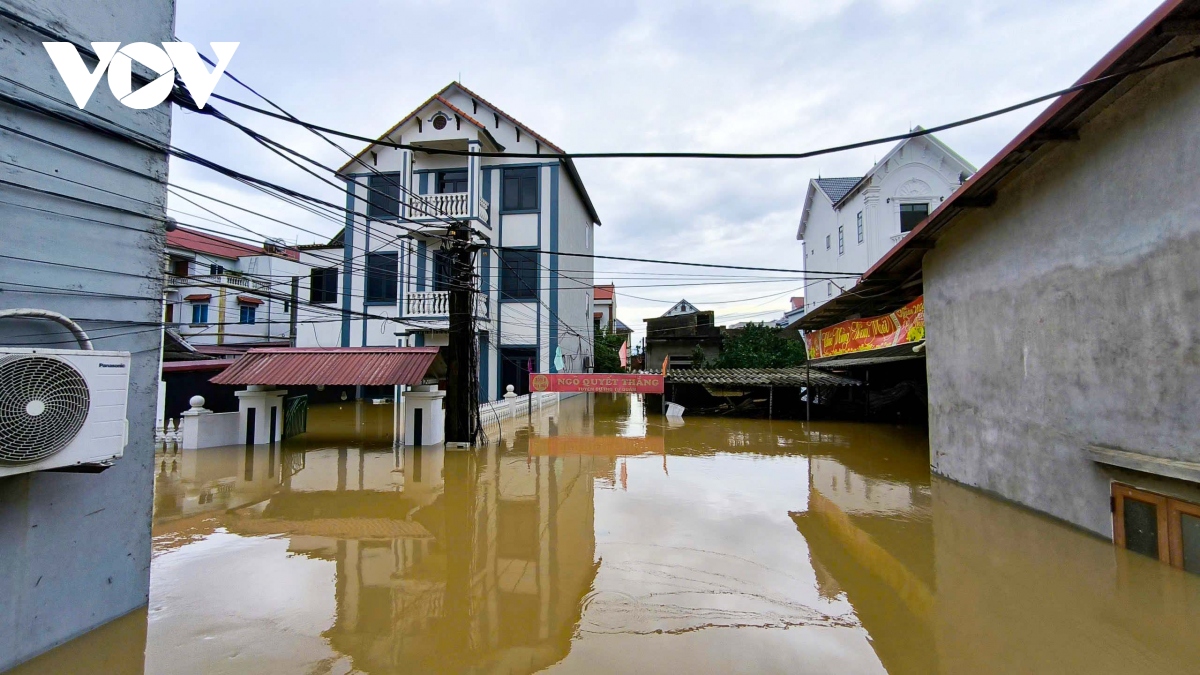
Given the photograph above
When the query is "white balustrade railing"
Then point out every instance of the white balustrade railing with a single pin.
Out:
(512, 407)
(448, 204)
(219, 279)
(437, 303)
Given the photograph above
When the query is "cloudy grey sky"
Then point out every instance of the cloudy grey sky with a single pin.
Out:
(749, 76)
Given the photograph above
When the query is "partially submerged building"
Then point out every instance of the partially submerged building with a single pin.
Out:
(392, 278)
(679, 333)
(1062, 305)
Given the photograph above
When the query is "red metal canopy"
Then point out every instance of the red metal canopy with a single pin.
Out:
(345, 366)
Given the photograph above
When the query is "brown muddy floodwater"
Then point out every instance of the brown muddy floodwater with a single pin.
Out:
(601, 541)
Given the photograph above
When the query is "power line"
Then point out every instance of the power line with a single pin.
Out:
(1193, 53)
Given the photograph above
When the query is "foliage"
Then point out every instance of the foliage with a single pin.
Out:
(757, 346)
(607, 348)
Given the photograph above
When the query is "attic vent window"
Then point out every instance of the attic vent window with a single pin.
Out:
(439, 121)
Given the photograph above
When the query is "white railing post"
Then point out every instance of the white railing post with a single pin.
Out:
(511, 397)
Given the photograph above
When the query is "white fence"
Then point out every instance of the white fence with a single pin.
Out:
(493, 414)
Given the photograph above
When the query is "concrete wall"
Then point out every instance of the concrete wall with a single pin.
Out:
(1068, 314)
(76, 547)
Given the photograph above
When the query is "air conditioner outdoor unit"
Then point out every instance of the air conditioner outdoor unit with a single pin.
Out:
(61, 408)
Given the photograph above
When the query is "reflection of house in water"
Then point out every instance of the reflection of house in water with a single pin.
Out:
(472, 560)
(869, 535)
(944, 579)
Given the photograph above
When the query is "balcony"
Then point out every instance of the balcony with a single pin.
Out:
(437, 304)
(230, 280)
(450, 204)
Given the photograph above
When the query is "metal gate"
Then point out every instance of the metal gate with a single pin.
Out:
(295, 415)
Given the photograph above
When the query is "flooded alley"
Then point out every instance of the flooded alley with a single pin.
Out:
(594, 538)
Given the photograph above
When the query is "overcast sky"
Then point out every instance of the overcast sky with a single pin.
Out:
(750, 76)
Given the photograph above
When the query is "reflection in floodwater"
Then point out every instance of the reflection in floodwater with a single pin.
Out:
(595, 537)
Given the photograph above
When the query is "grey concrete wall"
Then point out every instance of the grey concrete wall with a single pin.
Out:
(75, 548)
(1068, 314)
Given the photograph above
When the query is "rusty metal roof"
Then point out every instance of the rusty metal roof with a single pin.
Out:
(344, 366)
(759, 377)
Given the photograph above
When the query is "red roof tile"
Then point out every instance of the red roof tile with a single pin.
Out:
(202, 242)
(605, 292)
(332, 366)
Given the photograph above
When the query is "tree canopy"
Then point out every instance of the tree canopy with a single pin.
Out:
(607, 348)
(758, 346)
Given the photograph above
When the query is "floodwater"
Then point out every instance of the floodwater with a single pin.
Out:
(597, 540)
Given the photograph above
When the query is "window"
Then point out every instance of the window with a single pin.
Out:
(518, 274)
(381, 276)
(520, 189)
(829, 289)
(1157, 526)
(860, 227)
(322, 285)
(383, 195)
(827, 245)
(200, 312)
(911, 215)
(451, 181)
(515, 365)
(246, 314)
(443, 269)
(841, 239)
(180, 267)
(215, 269)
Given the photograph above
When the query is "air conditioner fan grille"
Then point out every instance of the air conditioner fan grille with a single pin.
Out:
(44, 402)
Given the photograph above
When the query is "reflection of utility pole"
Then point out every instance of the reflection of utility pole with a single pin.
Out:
(462, 390)
(459, 499)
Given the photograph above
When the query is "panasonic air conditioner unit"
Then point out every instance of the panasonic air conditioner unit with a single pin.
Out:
(61, 408)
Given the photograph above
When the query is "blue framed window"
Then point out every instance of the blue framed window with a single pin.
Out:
(383, 196)
(841, 239)
(519, 189)
(322, 285)
(246, 314)
(451, 181)
(381, 276)
(518, 274)
(200, 312)
(860, 227)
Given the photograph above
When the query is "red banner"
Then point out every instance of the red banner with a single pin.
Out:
(600, 383)
(902, 326)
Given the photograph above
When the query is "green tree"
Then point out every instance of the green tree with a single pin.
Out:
(757, 346)
(607, 348)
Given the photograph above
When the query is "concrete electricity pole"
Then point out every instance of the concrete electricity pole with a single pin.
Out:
(462, 390)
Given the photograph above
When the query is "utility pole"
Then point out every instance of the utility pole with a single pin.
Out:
(462, 392)
(292, 315)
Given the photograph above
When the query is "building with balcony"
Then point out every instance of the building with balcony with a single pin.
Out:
(390, 260)
(850, 223)
(224, 296)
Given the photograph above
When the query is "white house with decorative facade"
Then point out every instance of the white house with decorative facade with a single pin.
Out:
(225, 296)
(522, 210)
(850, 223)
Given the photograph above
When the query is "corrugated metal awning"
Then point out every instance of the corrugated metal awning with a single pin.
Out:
(247, 300)
(293, 366)
(760, 377)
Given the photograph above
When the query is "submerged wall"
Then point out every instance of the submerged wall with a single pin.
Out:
(1068, 313)
(75, 548)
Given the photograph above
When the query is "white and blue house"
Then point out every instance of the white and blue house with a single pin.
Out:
(534, 305)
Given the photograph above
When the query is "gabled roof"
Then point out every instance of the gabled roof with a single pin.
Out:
(836, 188)
(885, 286)
(604, 292)
(839, 190)
(681, 307)
(440, 97)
